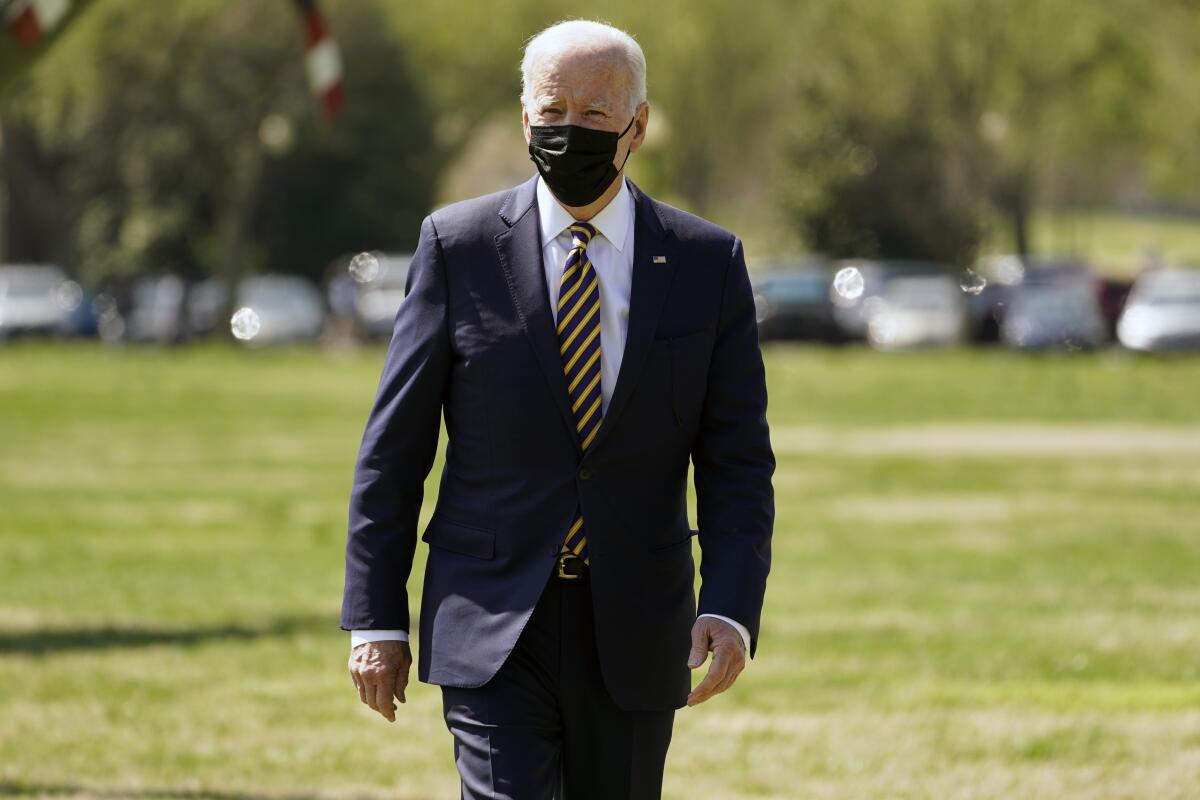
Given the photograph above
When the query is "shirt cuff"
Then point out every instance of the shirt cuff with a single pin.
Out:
(740, 627)
(362, 637)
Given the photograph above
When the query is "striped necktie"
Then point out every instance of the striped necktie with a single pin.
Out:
(579, 344)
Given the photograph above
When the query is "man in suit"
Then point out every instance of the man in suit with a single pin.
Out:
(583, 342)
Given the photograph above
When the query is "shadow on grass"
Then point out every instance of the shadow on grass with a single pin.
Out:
(65, 640)
(18, 789)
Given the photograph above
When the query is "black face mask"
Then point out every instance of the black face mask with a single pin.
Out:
(576, 162)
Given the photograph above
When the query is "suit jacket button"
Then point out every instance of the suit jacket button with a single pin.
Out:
(584, 474)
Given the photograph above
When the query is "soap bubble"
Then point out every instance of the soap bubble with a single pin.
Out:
(364, 267)
(972, 282)
(68, 295)
(848, 283)
(245, 323)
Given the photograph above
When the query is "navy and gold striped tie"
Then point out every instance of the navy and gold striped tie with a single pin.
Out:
(579, 344)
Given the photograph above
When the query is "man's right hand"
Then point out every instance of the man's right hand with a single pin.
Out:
(380, 671)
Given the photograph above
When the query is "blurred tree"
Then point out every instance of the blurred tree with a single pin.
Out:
(958, 110)
(878, 188)
(191, 142)
(905, 127)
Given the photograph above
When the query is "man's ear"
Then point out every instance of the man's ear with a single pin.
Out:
(525, 121)
(641, 119)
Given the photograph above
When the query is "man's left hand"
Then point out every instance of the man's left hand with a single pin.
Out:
(729, 657)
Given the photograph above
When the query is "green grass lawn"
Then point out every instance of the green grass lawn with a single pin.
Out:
(986, 582)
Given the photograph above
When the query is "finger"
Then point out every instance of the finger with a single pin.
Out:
(361, 685)
(699, 650)
(716, 674)
(401, 684)
(704, 689)
(383, 700)
(736, 665)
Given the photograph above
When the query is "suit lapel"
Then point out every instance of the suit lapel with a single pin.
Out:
(648, 292)
(520, 250)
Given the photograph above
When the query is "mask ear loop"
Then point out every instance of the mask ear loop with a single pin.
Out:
(622, 133)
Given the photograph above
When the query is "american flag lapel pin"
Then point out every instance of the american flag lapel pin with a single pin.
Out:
(660, 259)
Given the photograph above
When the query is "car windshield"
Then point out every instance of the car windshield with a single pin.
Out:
(1181, 290)
(936, 301)
(1168, 298)
(28, 282)
(273, 293)
(796, 287)
(1056, 304)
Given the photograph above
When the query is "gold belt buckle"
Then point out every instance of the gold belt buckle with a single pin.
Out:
(562, 558)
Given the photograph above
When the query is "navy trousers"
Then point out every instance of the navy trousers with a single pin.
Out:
(544, 727)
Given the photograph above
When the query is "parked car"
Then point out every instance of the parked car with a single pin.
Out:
(852, 311)
(285, 308)
(36, 298)
(1006, 275)
(1054, 314)
(156, 312)
(1162, 312)
(925, 311)
(378, 299)
(1112, 293)
(792, 302)
(986, 308)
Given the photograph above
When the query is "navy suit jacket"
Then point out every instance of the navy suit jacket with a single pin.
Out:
(474, 340)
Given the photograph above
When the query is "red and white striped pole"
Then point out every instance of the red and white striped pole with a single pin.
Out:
(29, 20)
(322, 59)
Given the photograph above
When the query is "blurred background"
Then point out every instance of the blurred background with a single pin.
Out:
(973, 229)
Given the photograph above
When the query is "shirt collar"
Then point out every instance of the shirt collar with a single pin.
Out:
(612, 222)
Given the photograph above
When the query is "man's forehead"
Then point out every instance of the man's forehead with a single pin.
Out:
(553, 92)
(598, 72)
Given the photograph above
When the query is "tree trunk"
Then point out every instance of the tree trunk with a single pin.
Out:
(1020, 226)
(235, 226)
(1014, 197)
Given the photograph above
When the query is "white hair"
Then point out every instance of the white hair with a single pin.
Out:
(582, 33)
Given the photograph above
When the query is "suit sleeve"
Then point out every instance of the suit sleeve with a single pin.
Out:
(398, 447)
(733, 463)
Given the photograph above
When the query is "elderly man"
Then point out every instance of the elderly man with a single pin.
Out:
(583, 341)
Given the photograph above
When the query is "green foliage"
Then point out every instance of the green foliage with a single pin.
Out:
(866, 188)
(161, 164)
(961, 110)
(916, 127)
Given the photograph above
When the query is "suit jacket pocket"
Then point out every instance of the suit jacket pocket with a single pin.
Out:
(665, 551)
(460, 537)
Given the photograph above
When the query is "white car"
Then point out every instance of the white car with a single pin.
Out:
(282, 308)
(1162, 312)
(917, 312)
(32, 299)
(378, 299)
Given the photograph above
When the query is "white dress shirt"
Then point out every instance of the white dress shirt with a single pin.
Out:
(611, 254)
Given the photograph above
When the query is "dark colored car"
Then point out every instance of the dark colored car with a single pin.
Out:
(1054, 314)
(793, 303)
(1005, 277)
